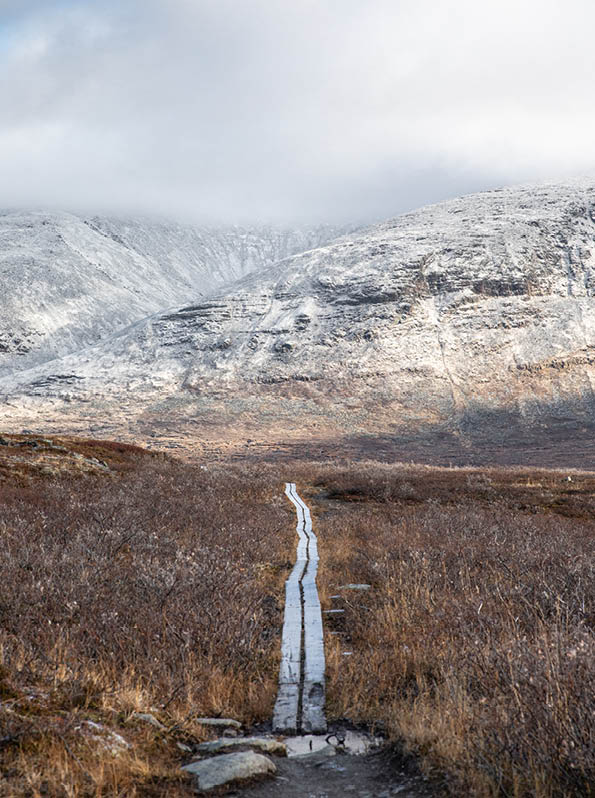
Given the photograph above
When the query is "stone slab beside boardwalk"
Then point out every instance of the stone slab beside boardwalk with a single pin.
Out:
(228, 768)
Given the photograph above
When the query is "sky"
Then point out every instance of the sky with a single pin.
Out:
(289, 111)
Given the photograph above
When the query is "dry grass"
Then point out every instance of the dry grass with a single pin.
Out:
(136, 584)
(475, 647)
(140, 584)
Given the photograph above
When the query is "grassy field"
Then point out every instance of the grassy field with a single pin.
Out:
(137, 583)
(132, 583)
(474, 650)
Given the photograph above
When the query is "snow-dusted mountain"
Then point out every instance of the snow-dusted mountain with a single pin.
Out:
(68, 281)
(477, 306)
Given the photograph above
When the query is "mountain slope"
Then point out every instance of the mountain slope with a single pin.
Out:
(68, 281)
(447, 316)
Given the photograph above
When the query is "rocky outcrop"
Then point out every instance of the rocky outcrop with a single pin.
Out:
(220, 723)
(266, 745)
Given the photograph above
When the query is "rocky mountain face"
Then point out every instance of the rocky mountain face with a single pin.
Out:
(68, 281)
(470, 318)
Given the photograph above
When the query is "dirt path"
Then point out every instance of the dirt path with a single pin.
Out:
(374, 775)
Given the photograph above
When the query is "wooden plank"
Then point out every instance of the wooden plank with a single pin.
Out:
(302, 607)
(313, 689)
(285, 714)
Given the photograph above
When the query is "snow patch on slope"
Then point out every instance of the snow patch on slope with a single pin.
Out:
(69, 281)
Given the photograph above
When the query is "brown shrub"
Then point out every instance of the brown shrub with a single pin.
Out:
(475, 647)
(138, 583)
(156, 587)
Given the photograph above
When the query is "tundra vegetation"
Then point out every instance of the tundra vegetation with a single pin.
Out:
(137, 584)
(132, 583)
(474, 647)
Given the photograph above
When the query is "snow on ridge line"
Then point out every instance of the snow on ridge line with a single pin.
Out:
(470, 298)
(69, 281)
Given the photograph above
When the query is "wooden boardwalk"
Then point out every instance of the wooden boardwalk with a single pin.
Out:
(301, 697)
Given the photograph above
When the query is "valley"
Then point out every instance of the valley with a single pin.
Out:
(70, 281)
(420, 390)
(148, 594)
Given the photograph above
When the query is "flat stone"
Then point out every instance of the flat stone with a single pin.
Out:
(222, 723)
(347, 742)
(227, 768)
(268, 745)
(355, 587)
(317, 756)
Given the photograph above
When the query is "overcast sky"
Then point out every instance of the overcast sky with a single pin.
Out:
(289, 110)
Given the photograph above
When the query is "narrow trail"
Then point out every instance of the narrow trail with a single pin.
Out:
(300, 701)
(314, 767)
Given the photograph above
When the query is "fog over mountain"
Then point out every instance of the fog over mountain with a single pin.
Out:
(266, 130)
(467, 315)
(227, 112)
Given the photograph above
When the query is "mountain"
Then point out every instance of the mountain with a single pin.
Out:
(463, 324)
(68, 281)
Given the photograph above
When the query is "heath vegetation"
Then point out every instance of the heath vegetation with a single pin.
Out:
(137, 585)
(133, 583)
(474, 648)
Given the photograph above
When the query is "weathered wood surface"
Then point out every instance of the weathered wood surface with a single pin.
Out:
(301, 675)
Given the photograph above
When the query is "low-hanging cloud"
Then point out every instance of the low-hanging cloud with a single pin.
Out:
(234, 110)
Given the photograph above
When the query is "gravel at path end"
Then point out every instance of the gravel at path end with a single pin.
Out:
(374, 775)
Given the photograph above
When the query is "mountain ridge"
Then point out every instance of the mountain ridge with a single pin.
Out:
(70, 280)
(477, 306)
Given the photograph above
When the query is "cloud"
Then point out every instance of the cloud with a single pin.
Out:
(289, 109)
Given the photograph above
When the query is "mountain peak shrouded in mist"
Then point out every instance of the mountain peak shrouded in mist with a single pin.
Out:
(475, 306)
(70, 280)
(221, 110)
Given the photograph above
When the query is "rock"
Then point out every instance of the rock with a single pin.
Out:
(221, 723)
(185, 748)
(108, 738)
(283, 347)
(320, 753)
(354, 587)
(266, 744)
(309, 745)
(148, 718)
(227, 768)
